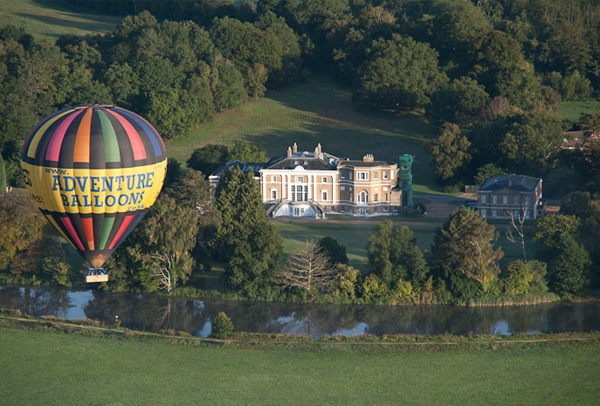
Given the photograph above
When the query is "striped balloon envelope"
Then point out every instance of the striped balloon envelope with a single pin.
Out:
(94, 170)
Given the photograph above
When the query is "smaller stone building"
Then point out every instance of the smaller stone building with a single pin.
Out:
(503, 195)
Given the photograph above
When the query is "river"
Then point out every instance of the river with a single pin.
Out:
(153, 312)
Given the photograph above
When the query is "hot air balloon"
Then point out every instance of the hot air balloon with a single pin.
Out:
(94, 170)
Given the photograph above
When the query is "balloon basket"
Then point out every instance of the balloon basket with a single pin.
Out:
(96, 278)
(96, 275)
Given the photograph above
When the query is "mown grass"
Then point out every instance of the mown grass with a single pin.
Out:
(52, 368)
(573, 110)
(51, 18)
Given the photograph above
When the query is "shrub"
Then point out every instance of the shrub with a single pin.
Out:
(222, 326)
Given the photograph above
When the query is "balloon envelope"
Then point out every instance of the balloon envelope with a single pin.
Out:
(94, 170)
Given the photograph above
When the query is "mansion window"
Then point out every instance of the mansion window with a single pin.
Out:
(297, 193)
(273, 194)
(324, 195)
(385, 174)
(299, 178)
(505, 199)
(494, 199)
(273, 178)
(375, 175)
(376, 197)
(527, 200)
(324, 180)
(343, 175)
(363, 198)
(483, 213)
(515, 199)
(483, 199)
(362, 175)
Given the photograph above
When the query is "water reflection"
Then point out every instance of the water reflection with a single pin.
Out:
(151, 312)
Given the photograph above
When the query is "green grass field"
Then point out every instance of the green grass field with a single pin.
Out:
(51, 19)
(51, 368)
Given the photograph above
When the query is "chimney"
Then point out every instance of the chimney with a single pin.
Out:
(295, 149)
(368, 158)
(289, 152)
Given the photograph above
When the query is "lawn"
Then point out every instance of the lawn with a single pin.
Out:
(573, 110)
(50, 368)
(51, 19)
(313, 112)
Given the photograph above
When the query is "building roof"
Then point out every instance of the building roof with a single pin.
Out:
(310, 160)
(244, 166)
(518, 183)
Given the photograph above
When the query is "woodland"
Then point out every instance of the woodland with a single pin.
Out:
(489, 75)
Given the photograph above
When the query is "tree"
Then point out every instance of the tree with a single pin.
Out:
(570, 270)
(335, 250)
(516, 229)
(21, 223)
(453, 26)
(461, 102)
(208, 158)
(247, 152)
(308, 268)
(450, 152)
(227, 85)
(465, 245)
(532, 142)
(550, 231)
(525, 278)
(244, 239)
(54, 261)
(222, 326)
(577, 204)
(394, 256)
(398, 74)
(157, 254)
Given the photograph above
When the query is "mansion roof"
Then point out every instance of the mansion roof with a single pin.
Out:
(517, 183)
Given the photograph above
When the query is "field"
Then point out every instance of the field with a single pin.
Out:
(51, 368)
(50, 19)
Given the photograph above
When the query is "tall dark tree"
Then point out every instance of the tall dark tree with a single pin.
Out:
(245, 240)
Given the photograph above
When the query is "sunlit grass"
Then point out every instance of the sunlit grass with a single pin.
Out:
(51, 368)
(573, 110)
(51, 18)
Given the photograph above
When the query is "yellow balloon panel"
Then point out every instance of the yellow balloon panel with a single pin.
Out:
(94, 191)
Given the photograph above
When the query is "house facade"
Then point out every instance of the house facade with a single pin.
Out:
(504, 196)
(314, 183)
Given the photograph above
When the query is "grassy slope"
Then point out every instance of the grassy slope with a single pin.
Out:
(50, 19)
(73, 370)
(318, 111)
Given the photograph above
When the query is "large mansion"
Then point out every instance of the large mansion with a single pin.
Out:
(315, 183)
